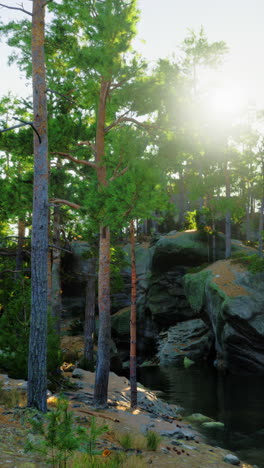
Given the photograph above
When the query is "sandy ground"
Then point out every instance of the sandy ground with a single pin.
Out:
(186, 448)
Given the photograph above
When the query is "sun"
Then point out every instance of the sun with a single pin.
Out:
(226, 100)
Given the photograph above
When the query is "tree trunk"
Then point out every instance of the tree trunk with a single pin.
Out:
(181, 200)
(213, 240)
(19, 254)
(133, 321)
(228, 215)
(261, 214)
(248, 236)
(55, 272)
(104, 337)
(89, 322)
(37, 359)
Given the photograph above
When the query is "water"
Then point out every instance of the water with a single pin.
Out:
(237, 401)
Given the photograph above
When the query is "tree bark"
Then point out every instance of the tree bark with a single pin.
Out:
(104, 337)
(261, 215)
(133, 321)
(37, 359)
(19, 254)
(89, 321)
(228, 215)
(55, 272)
(181, 199)
(248, 236)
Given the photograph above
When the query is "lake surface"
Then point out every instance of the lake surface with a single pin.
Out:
(237, 401)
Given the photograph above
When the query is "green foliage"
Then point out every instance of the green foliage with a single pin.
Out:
(203, 218)
(14, 333)
(153, 440)
(87, 364)
(117, 263)
(14, 330)
(89, 438)
(190, 220)
(126, 440)
(58, 436)
(75, 328)
(253, 263)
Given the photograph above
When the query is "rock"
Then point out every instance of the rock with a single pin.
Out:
(78, 373)
(213, 425)
(232, 459)
(166, 299)
(234, 311)
(120, 324)
(178, 433)
(198, 418)
(165, 450)
(192, 339)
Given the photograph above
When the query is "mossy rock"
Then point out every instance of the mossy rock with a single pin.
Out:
(198, 418)
(213, 425)
(120, 322)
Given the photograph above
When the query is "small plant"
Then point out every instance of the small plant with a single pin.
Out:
(110, 460)
(58, 437)
(12, 398)
(126, 440)
(253, 263)
(75, 327)
(88, 439)
(87, 364)
(153, 440)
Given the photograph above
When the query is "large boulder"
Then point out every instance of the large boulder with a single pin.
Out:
(231, 300)
(192, 339)
(166, 299)
(189, 248)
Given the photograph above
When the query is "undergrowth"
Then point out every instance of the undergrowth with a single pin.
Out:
(253, 263)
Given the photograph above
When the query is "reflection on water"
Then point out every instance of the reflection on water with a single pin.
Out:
(237, 401)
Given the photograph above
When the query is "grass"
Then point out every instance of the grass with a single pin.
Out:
(12, 398)
(130, 440)
(153, 440)
(112, 460)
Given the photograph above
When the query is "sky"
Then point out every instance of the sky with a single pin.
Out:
(163, 26)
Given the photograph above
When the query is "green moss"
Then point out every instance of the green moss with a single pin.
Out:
(253, 263)
(194, 286)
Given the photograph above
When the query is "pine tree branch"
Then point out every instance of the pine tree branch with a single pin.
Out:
(51, 246)
(122, 118)
(15, 271)
(73, 159)
(132, 205)
(22, 125)
(60, 94)
(118, 174)
(87, 143)
(116, 122)
(16, 8)
(65, 202)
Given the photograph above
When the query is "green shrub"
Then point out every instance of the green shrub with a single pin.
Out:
(87, 364)
(153, 440)
(57, 435)
(190, 220)
(126, 440)
(253, 263)
(14, 334)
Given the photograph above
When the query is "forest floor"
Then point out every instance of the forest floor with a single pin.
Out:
(186, 448)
